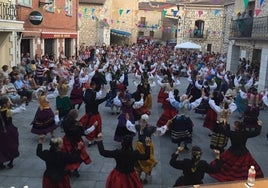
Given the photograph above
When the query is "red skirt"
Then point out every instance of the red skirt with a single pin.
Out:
(168, 114)
(161, 96)
(87, 122)
(117, 179)
(67, 147)
(236, 167)
(210, 119)
(65, 183)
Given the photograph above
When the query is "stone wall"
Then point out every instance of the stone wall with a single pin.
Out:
(216, 26)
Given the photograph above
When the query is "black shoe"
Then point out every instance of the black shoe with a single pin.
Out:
(10, 165)
(76, 173)
(91, 143)
(2, 166)
(145, 181)
(186, 148)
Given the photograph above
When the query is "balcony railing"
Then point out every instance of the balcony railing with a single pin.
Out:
(196, 33)
(250, 28)
(8, 11)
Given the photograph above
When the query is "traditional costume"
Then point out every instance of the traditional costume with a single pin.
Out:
(237, 159)
(76, 95)
(124, 174)
(145, 130)
(9, 137)
(92, 113)
(43, 122)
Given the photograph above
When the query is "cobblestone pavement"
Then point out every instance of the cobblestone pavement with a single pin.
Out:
(28, 168)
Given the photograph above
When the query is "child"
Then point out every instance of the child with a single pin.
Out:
(44, 122)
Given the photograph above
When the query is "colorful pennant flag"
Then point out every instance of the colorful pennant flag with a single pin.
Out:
(164, 12)
(257, 11)
(175, 12)
(216, 12)
(93, 10)
(200, 12)
(261, 3)
(121, 11)
(246, 3)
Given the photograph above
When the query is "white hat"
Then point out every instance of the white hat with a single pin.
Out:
(145, 117)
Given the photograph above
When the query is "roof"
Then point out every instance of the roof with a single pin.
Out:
(208, 2)
(96, 2)
(155, 6)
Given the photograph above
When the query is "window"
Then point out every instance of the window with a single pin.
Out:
(209, 46)
(68, 7)
(25, 2)
(141, 33)
(151, 33)
(199, 28)
(50, 7)
(143, 21)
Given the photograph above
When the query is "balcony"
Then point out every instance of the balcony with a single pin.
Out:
(8, 11)
(197, 34)
(250, 28)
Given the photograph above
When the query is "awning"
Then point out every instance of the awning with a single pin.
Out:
(120, 33)
(53, 35)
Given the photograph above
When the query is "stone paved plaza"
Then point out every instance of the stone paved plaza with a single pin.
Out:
(28, 168)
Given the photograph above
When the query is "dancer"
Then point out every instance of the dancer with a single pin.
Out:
(237, 159)
(193, 169)
(145, 130)
(218, 138)
(56, 161)
(63, 103)
(76, 95)
(124, 175)
(181, 125)
(9, 135)
(44, 121)
(92, 113)
(73, 136)
(168, 110)
(127, 109)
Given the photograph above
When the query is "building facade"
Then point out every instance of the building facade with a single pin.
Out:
(248, 38)
(156, 22)
(50, 27)
(206, 23)
(10, 34)
(93, 25)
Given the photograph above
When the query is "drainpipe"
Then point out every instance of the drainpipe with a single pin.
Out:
(77, 29)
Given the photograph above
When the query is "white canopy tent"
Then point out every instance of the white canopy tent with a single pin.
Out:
(188, 45)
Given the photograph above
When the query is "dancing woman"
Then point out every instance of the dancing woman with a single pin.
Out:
(56, 161)
(237, 159)
(124, 175)
(193, 169)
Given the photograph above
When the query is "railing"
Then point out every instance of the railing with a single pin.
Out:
(8, 11)
(249, 28)
(198, 34)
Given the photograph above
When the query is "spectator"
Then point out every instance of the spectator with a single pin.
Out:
(22, 89)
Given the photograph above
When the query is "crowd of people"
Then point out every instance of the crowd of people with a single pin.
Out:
(100, 75)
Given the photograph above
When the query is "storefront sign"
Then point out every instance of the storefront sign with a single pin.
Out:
(35, 18)
(53, 35)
